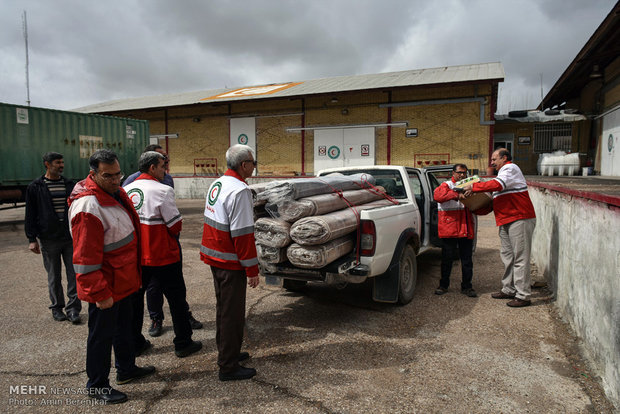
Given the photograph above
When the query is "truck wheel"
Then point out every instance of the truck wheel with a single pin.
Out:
(293, 285)
(407, 275)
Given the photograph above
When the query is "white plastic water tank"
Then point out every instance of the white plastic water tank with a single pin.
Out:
(571, 161)
(559, 163)
(541, 164)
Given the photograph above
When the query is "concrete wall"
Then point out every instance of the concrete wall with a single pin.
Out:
(196, 187)
(576, 245)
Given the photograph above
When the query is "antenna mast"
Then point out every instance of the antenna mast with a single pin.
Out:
(25, 28)
(541, 90)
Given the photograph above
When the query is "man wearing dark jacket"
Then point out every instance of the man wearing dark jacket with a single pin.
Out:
(46, 219)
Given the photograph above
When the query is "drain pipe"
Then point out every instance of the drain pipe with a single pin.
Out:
(389, 130)
(492, 127)
(444, 101)
(166, 128)
(303, 137)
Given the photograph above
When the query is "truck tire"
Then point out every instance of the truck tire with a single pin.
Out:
(407, 275)
(293, 285)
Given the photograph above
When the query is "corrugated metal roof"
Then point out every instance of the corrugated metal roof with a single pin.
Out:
(432, 76)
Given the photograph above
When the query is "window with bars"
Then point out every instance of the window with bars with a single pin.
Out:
(553, 137)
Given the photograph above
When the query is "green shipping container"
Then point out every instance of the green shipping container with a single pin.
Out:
(26, 133)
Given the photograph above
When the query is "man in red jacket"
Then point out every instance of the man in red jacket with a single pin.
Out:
(516, 218)
(228, 247)
(160, 226)
(106, 258)
(456, 228)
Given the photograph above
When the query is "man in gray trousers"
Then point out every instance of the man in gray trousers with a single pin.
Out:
(46, 219)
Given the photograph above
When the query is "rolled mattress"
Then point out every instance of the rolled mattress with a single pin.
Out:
(314, 257)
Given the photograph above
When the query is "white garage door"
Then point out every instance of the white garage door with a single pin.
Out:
(343, 147)
(610, 141)
(243, 131)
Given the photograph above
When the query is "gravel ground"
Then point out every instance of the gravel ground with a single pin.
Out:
(323, 350)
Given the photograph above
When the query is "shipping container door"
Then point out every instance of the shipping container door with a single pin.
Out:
(343, 147)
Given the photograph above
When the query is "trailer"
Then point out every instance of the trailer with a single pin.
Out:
(26, 133)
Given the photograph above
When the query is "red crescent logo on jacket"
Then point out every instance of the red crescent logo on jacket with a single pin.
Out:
(214, 192)
(137, 197)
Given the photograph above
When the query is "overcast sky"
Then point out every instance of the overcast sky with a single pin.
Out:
(87, 52)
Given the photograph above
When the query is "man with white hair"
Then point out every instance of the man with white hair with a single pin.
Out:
(228, 247)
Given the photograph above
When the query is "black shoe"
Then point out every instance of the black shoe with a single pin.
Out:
(195, 346)
(440, 290)
(138, 372)
(145, 347)
(469, 292)
(109, 395)
(59, 315)
(242, 373)
(156, 328)
(243, 356)
(195, 324)
(74, 317)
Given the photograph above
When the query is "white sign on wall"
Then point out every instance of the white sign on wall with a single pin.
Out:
(22, 115)
(243, 131)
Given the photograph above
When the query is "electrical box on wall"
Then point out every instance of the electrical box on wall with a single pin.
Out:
(411, 132)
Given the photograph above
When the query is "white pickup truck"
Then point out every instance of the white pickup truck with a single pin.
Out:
(389, 239)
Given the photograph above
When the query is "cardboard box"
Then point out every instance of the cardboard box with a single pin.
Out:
(476, 200)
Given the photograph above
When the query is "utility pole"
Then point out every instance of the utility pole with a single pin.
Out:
(25, 29)
(541, 92)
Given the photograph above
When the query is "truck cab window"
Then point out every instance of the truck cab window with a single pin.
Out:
(438, 177)
(390, 180)
(418, 192)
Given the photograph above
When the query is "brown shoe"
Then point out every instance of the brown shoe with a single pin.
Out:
(502, 295)
(519, 303)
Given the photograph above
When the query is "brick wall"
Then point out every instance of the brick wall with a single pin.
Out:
(448, 132)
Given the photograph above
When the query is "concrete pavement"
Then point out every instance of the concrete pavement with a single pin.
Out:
(320, 351)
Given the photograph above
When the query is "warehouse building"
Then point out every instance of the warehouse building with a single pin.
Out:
(581, 112)
(415, 117)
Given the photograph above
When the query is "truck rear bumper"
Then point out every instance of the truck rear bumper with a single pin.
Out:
(344, 270)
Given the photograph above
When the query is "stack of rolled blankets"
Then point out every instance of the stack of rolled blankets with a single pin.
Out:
(311, 221)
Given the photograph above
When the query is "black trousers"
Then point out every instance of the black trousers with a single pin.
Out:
(230, 288)
(107, 329)
(155, 296)
(170, 279)
(448, 254)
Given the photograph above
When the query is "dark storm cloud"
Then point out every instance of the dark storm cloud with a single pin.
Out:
(85, 52)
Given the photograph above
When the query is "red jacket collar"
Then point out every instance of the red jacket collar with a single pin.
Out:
(145, 176)
(505, 164)
(88, 187)
(233, 173)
